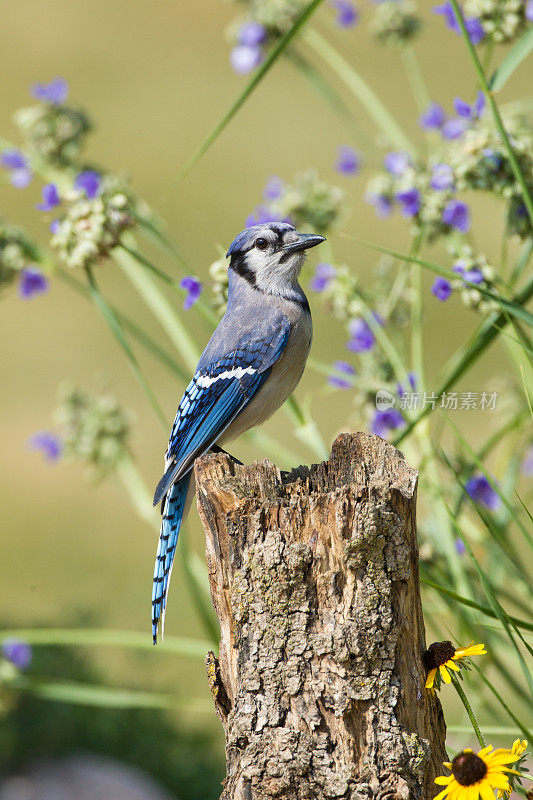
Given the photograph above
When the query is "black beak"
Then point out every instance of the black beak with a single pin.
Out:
(304, 242)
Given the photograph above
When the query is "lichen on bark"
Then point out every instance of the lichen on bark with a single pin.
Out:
(314, 577)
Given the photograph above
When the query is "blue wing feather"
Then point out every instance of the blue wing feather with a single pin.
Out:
(220, 389)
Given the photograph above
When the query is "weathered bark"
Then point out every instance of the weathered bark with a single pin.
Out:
(314, 577)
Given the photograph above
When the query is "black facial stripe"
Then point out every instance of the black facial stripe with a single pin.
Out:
(238, 265)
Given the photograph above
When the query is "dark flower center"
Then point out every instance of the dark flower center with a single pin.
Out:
(437, 654)
(468, 769)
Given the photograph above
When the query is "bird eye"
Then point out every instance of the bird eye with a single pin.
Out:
(261, 244)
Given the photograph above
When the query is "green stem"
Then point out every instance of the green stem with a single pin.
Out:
(495, 111)
(159, 305)
(415, 77)
(366, 96)
(468, 707)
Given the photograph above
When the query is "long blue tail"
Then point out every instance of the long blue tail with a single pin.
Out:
(173, 508)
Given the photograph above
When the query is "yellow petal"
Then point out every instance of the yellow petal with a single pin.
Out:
(445, 675)
(485, 750)
(453, 666)
(447, 764)
(442, 780)
(430, 678)
(441, 795)
(486, 791)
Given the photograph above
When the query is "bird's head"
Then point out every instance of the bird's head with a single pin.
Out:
(270, 256)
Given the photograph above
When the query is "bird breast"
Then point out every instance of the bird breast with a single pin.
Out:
(283, 379)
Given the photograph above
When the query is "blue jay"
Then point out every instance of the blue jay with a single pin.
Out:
(250, 366)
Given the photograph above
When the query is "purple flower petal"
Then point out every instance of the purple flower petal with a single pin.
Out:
(453, 128)
(251, 34)
(456, 214)
(13, 159)
(55, 92)
(410, 202)
(194, 289)
(50, 196)
(527, 463)
(18, 652)
(273, 188)
(324, 273)
(529, 10)
(54, 226)
(433, 117)
(442, 178)
(244, 59)
(21, 178)
(88, 181)
(382, 204)
(262, 215)
(362, 338)
(460, 547)
(386, 421)
(481, 492)
(396, 163)
(441, 289)
(472, 24)
(337, 382)
(479, 104)
(344, 366)
(348, 160)
(50, 444)
(32, 283)
(462, 108)
(347, 14)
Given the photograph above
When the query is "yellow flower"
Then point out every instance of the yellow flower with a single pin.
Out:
(519, 747)
(474, 776)
(442, 656)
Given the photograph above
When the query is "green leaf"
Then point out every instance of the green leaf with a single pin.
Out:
(472, 604)
(256, 79)
(103, 637)
(377, 110)
(116, 328)
(520, 50)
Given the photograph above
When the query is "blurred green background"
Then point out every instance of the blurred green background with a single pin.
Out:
(155, 78)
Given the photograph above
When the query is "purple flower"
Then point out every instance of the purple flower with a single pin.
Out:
(441, 289)
(453, 128)
(527, 463)
(382, 204)
(529, 10)
(273, 188)
(474, 276)
(347, 14)
(50, 196)
(396, 163)
(456, 214)
(18, 652)
(433, 117)
(251, 34)
(244, 59)
(442, 178)
(262, 215)
(32, 283)
(470, 112)
(410, 202)
(348, 160)
(16, 163)
(481, 492)
(323, 275)
(54, 226)
(194, 289)
(460, 547)
(362, 338)
(55, 92)
(336, 380)
(386, 421)
(472, 24)
(13, 159)
(89, 182)
(50, 444)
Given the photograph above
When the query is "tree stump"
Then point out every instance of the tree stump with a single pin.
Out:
(314, 577)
